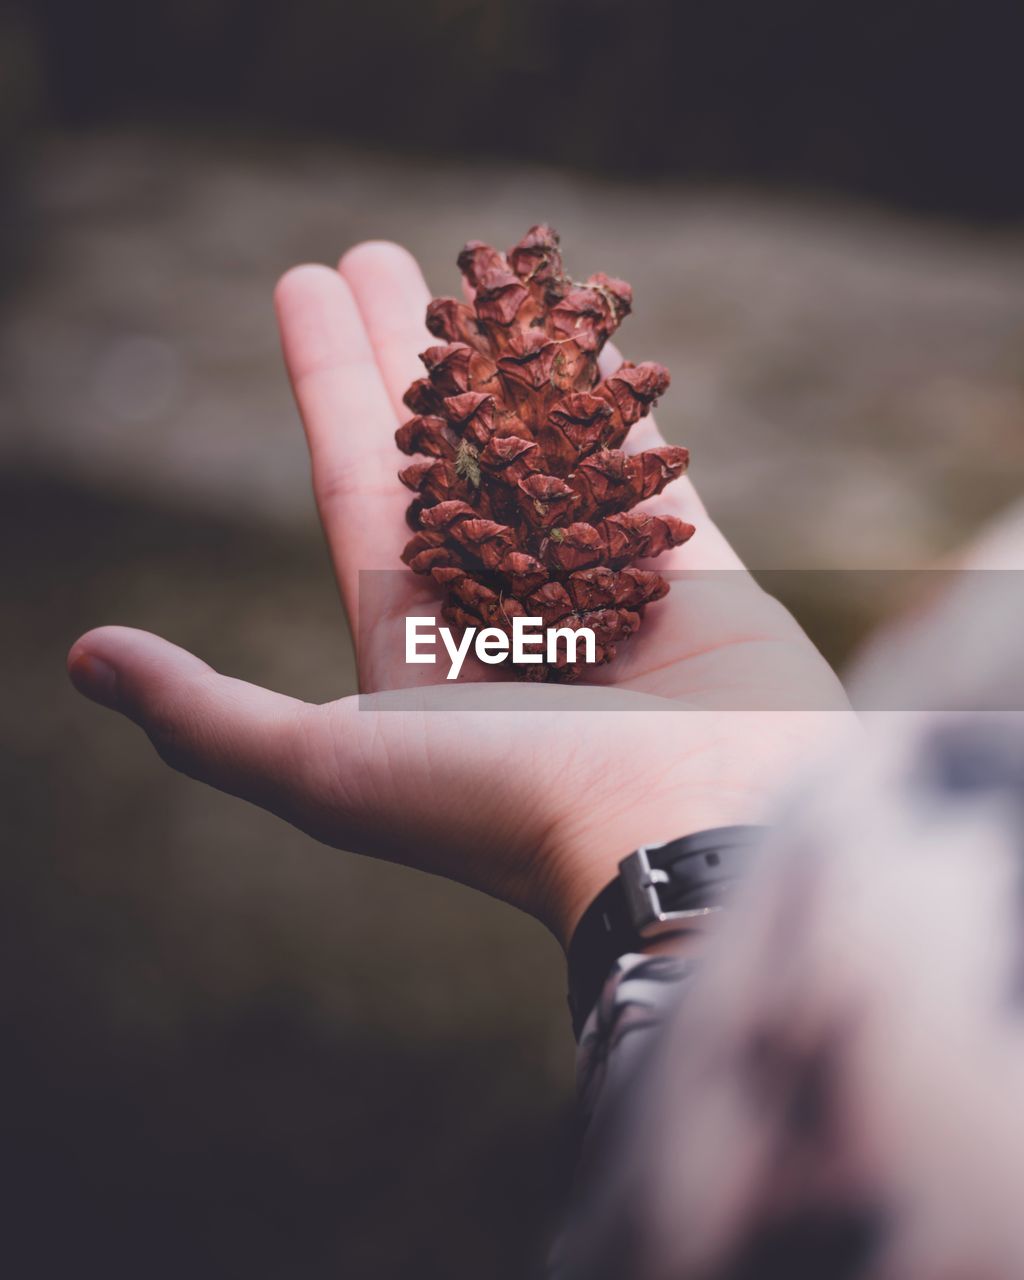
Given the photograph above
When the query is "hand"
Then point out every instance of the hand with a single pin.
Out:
(534, 805)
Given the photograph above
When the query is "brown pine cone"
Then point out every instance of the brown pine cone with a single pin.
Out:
(524, 498)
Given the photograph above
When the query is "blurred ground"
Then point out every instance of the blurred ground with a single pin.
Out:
(231, 1051)
(227, 1050)
(823, 357)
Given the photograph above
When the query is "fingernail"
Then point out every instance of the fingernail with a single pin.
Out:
(95, 678)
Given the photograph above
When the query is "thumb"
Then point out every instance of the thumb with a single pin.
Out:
(235, 736)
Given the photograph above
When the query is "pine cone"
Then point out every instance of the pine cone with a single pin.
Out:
(524, 503)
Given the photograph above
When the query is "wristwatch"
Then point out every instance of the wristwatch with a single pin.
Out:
(661, 890)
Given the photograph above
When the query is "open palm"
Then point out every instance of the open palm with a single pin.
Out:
(529, 792)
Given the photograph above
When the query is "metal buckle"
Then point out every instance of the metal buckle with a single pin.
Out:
(640, 882)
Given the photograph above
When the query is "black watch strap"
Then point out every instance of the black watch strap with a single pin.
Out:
(660, 890)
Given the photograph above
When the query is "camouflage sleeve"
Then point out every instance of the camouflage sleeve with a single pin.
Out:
(835, 1093)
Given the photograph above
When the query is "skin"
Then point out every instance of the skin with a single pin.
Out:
(536, 804)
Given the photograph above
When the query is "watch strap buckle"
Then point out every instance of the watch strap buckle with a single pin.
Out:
(640, 883)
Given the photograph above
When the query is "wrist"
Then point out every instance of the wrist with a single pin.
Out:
(578, 864)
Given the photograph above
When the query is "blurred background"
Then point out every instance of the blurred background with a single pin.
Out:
(227, 1050)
